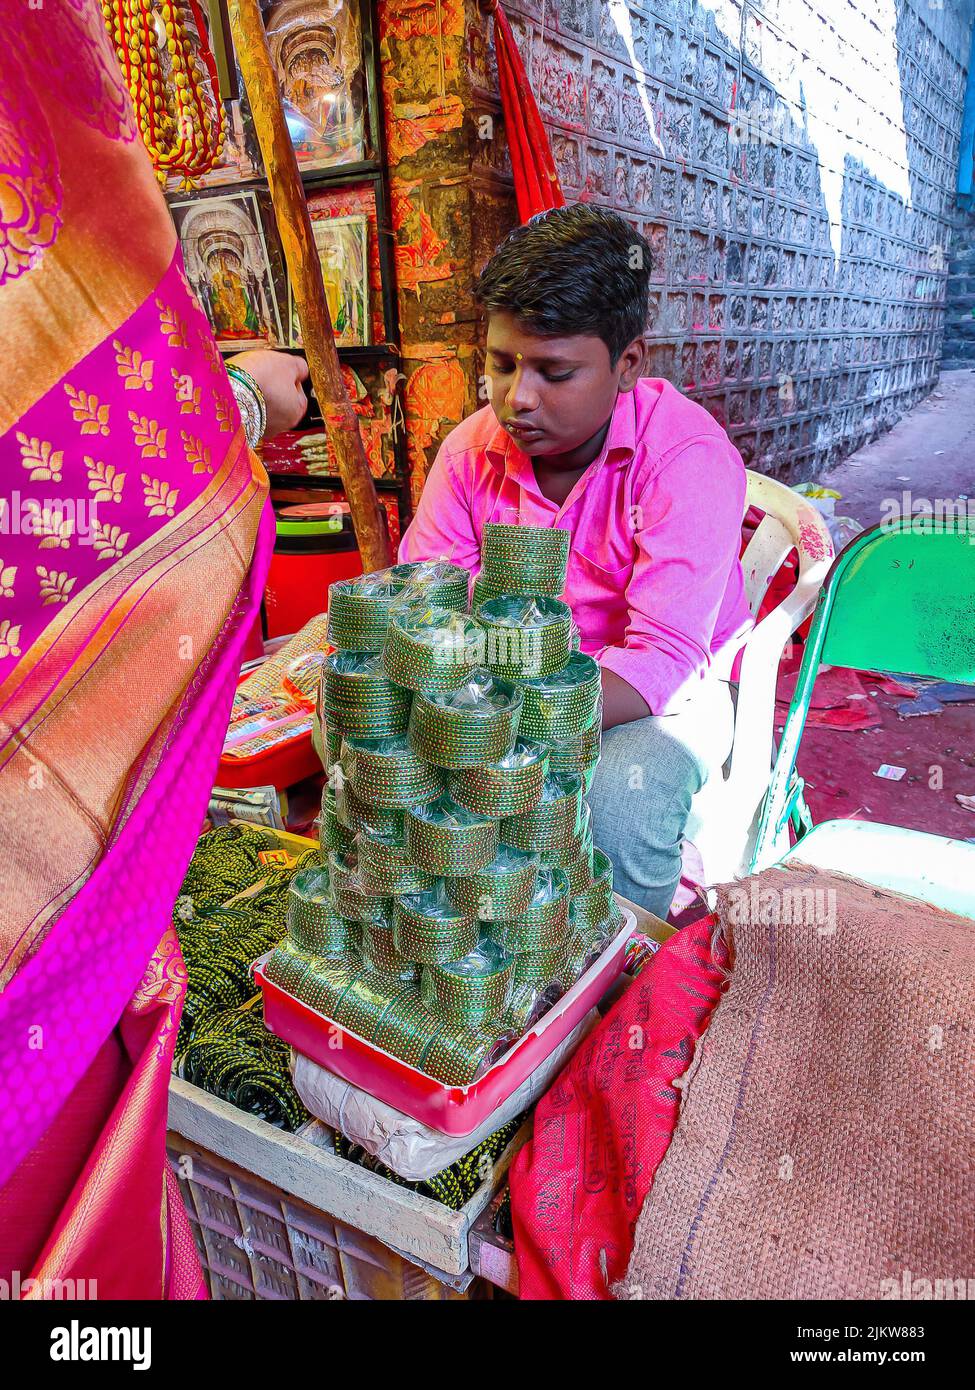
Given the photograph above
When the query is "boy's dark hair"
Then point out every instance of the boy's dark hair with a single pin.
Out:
(577, 269)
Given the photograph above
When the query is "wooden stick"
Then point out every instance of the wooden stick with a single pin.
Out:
(304, 267)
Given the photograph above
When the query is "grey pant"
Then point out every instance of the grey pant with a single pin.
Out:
(641, 794)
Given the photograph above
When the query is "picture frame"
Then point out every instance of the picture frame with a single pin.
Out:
(317, 50)
(228, 265)
(343, 249)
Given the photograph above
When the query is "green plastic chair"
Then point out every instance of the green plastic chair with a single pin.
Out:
(900, 599)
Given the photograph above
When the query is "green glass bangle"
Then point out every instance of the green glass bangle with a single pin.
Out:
(527, 638)
(429, 930)
(386, 772)
(507, 787)
(384, 868)
(525, 559)
(473, 990)
(312, 923)
(359, 700)
(449, 841)
(563, 706)
(359, 610)
(432, 650)
(543, 926)
(552, 824)
(501, 890)
(468, 727)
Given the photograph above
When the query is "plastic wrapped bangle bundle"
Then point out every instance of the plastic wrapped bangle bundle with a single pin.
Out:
(544, 924)
(325, 982)
(506, 788)
(386, 772)
(449, 841)
(332, 834)
(502, 889)
(540, 968)
(577, 754)
(366, 1000)
(564, 705)
(359, 609)
(432, 649)
(482, 590)
(529, 1002)
(525, 559)
(358, 815)
(384, 868)
(579, 870)
(348, 894)
(436, 582)
(467, 727)
(527, 637)
(407, 1028)
(313, 924)
(359, 699)
(472, 990)
(286, 965)
(595, 905)
(553, 823)
(379, 954)
(331, 743)
(428, 929)
(458, 1056)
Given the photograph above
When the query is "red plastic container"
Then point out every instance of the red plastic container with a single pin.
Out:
(454, 1110)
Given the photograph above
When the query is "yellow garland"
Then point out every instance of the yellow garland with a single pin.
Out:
(183, 131)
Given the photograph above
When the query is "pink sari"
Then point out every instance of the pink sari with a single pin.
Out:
(120, 639)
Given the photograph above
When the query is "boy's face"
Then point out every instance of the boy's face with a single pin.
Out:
(554, 394)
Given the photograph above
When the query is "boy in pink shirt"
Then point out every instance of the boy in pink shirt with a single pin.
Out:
(653, 493)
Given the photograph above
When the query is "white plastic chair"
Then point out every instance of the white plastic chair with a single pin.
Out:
(725, 814)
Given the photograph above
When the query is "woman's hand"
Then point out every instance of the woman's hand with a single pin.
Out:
(279, 375)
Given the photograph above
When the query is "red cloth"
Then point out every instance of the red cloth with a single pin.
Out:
(602, 1129)
(537, 185)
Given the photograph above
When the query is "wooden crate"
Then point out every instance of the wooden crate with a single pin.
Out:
(307, 1215)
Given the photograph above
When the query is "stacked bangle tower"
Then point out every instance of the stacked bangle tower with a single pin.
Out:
(460, 893)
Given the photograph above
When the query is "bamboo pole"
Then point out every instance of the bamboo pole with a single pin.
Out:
(304, 267)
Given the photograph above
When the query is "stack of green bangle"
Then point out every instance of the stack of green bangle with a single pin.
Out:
(358, 815)
(435, 582)
(577, 754)
(595, 905)
(449, 841)
(359, 699)
(458, 1056)
(579, 870)
(505, 788)
(348, 893)
(332, 834)
(286, 964)
(482, 590)
(543, 925)
(359, 609)
(312, 922)
(540, 968)
(473, 990)
(363, 1004)
(525, 559)
(384, 868)
(386, 772)
(428, 929)
(529, 1002)
(407, 1029)
(527, 637)
(501, 890)
(564, 705)
(432, 649)
(551, 824)
(332, 744)
(468, 727)
(379, 954)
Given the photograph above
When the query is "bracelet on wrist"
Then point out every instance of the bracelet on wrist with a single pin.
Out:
(250, 403)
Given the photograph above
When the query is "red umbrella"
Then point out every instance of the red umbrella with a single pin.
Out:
(537, 185)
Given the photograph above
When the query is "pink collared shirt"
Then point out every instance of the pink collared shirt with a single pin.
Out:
(654, 579)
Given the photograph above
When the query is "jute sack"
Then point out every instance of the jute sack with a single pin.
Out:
(825, 1144)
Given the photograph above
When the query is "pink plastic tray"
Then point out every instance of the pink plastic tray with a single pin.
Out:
(450, 1109)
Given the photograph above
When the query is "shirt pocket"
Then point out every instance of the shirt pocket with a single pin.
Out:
(609, 579)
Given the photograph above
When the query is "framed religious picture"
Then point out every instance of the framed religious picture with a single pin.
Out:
(356, 200)
(239, 160)
(316, 47)
(343, 249)
(225, 251)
